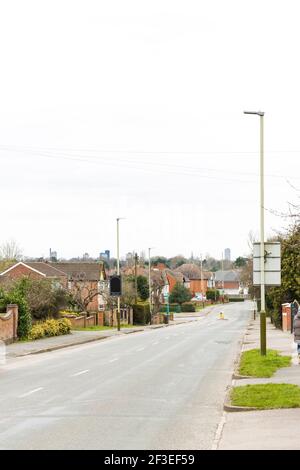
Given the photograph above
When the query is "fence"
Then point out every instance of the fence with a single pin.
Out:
(126, 317)
(108, 318)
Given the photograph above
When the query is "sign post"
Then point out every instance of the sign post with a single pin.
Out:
(266, 260)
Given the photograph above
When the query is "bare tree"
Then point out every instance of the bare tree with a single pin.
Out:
(157, 285)
(10, 250)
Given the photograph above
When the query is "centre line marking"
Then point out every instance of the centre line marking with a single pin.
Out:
(31, 392)
(155, 342)
(140, 349)
(80, 373)
(113, 360)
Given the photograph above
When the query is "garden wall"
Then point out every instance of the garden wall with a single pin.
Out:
(9, 324)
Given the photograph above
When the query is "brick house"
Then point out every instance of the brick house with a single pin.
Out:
(229, 281)
(33, 270)
(198, 282)
(87, 278)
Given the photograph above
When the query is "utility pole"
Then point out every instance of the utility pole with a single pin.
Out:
(135, 275)
(263, 326)
(222, 267)
(149, 281)
(202, 290)
(118, 271)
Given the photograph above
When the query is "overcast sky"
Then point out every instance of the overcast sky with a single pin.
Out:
(135, 109)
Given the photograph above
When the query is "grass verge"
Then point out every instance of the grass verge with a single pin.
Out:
(255, 365)
(266, 396)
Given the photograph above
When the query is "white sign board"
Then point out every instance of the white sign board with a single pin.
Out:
(272, 264)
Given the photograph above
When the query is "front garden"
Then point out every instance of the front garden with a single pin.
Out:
(39, 304)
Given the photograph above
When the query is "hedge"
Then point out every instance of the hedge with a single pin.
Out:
(188, 307)
(236, 299)
(141, 314)
(174, 308)
(50, 328)
(212, 294)
(24, 315)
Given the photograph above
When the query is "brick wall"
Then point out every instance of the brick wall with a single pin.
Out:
(286, 317)
(196, 286)
(81, 322)
(9, 324)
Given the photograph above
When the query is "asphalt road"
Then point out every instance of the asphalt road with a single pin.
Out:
(158, 389)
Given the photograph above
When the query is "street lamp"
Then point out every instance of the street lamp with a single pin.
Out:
(263, 328)
(202, 289)
(149, 280)
(118, 269)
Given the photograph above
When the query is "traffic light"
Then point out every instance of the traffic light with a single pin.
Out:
(115, 285)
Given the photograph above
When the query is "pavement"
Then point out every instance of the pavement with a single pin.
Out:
(23, 348)
(163, 388)
(265, 429)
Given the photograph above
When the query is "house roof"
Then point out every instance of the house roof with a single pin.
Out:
(81, 271)
(78, 271)
(229, 276)
(192, 271)
(44, 269)
(180, 277)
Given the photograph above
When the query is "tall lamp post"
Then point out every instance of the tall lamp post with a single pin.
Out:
(263, 335)
(202, 289)
(149, 280)
(118, 270)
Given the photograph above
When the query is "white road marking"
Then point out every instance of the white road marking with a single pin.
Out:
(140, 349)
(219, 431)
(31, 392)
(155, 342)
(80, 373)
(113, 360)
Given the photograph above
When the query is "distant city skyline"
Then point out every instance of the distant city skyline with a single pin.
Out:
(106, 255)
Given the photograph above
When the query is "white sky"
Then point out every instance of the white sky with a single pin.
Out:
(135, 109)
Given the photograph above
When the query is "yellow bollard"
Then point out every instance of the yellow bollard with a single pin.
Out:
(221, 316)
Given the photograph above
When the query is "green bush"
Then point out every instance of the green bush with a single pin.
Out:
(236, 299)
(141, 314)
(180, 294)
(212, 294)
(2, 306)
(188, 307)
(16, 296)
(276, 318)
(174, 308)
(142, 287)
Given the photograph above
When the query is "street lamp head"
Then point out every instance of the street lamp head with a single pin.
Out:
(258, 113)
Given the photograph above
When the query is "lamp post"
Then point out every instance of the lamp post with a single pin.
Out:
(149, 281)
(202, 290)
(263, 335)
(118, 269)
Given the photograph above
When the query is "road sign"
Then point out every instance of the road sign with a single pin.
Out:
(115, 285)
(272, 264)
